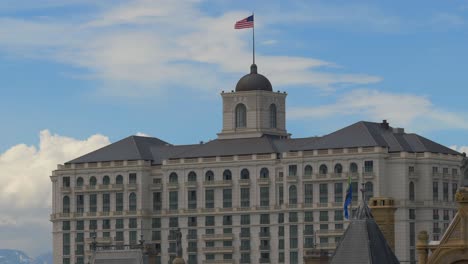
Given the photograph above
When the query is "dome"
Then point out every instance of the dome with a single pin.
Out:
(253, 81)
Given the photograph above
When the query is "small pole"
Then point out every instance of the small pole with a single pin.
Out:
(253, 38)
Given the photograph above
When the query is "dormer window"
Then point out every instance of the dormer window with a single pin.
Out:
(241, 116)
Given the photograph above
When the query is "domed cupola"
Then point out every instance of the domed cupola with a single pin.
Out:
(253, 81)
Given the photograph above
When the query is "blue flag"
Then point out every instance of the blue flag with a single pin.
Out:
(348, 199)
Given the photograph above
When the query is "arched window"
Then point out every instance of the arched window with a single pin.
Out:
(264, 173)
(227, 175)
(119, 179)
(292, 194)
(241, 116)
(338, 168)
(173, 177)
(411, 191)
(209, 176)
(272, 116)
(92, 181)
(353, 168)
(308, 171)
(106, 180)
(369, 190)
(323, 169)
(245, 174)
(66, 204)
(79, 182)
(192, 176)
(132, 202)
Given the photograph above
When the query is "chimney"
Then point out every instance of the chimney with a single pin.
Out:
(384, 124)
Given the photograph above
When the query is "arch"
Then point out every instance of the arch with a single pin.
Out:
(132, 202)
(92, 181)
(272, 116)
(66, 204)
(292, 194)
(411, 191)
(264, 173)
(308, 170)
(369, 190)
(192, 176)
(241, 116)
(338, 168)
(209, 176)
(227, 175)
(106, 180)
(245, 174)
(79, 182)
(173, 177)
(323, 169)
(119, 179)
(353, 168)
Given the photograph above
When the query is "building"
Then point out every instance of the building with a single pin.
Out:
(254, 194)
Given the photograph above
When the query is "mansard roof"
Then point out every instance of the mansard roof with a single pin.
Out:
(360, 134)
(363, 242)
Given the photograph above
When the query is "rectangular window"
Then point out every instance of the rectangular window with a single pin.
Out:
(173, 222)
(264, 219)
(119, 223)
(132, 178)
(454, 172)
(446, 215)
(132, 223)
(281, 231)
(173, 200)
(209, 198)
(245, 197)
(308, 193)
(209, 220)
(245, 219)
(293, 217)
(354, 188)
(156, 235)
(157, 201)
(323, 190)
(245, 232)
(293, 243)
(280, 194)
(119, 236)
(412, 235)
(106, 224)
(293, 257)
(435, 191)
(339, 192)
(227, 220)
(309, 229)
(93, 202)
(66, 225)
(323, 226)
(92, 224)
(338, 215)
(412, 214)
(79, 238)
(80, 225)
(292, 170)
(106, 202)
(445, 171)
(308, 242)
(66, 182)
(227, 243)
(339, 226)
(435, 214)
(281, 255)
(209, 231)
(308, 216)
(293, 231)
(323, 216)
(245, 258)
(133, 237)
(192, 221)
(264, 196)
(280, 218)
(435, 170)
(445, 189)
(368, 166)
(227, 198)
(411, 170)
(119, 202)
(454, 190)
(192, 199)
(156, 223)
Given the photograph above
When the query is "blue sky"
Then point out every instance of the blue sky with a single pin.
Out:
(79, 68)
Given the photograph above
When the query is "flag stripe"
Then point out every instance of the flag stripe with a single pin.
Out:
(247, 22)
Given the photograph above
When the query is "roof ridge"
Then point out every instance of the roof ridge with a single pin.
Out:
(136, 146)
(367, 130)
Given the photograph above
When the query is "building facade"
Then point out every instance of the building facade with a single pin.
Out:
(255, 194)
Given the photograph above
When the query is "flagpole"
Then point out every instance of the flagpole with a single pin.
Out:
(253, 38)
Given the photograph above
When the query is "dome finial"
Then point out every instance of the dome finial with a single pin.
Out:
(253, 68)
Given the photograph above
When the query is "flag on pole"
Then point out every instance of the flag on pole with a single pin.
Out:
(349, 198)
(247, 22)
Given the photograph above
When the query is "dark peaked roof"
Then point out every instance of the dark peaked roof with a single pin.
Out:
(363, 242)
(130, 148)
(360, 134)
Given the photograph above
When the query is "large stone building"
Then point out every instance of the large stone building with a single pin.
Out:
(253, 195)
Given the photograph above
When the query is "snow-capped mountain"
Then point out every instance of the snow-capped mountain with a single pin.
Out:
(10, 256)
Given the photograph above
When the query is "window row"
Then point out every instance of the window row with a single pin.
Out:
(106, 203)
(210, 176)
(106, 180)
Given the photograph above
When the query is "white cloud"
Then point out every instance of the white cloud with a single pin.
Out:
(144, 46)
(25, 192)
(460, 149)
(140, 134)
(401, 109)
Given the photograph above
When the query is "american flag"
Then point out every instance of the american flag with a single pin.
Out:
(247, 22)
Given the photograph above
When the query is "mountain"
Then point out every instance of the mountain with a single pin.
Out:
(11, 256)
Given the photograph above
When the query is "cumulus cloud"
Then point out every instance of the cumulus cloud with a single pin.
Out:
(460, 149)
(25, 192)
(402, 109)
(144, 46)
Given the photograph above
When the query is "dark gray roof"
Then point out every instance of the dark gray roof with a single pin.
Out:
(130, 148)
(363, 242)
(361, 134)
(253, 81)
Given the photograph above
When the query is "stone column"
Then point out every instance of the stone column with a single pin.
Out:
(421, 246)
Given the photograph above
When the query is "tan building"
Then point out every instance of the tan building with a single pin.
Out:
(253, 195)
